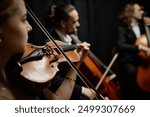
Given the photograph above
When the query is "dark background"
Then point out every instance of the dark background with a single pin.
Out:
(98, 19)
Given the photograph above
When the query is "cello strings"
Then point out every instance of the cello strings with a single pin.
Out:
(81, 76)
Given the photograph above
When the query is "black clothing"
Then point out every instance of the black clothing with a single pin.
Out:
(129, 60)
(126, 39)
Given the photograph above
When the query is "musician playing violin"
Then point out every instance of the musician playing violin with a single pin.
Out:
(14, 29)
(63, 19)
(14, 26)
(132, 25)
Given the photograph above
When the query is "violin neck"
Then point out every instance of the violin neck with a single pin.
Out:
(66, 48)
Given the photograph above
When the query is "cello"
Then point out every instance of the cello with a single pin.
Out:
(93, 67)
(143, 71)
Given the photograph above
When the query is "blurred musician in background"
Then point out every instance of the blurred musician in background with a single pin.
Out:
(132, 26)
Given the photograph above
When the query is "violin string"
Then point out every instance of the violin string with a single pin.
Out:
(44, 30)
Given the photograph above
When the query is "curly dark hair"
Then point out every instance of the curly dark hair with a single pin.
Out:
(57, 13)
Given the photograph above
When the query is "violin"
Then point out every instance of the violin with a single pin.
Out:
(37, 67)
(39, 63)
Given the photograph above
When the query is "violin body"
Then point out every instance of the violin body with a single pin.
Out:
(37, 66)
(43, 70)
(143, 71)
(39, 70)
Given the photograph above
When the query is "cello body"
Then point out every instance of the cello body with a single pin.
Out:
(93, 69)
(143, 71)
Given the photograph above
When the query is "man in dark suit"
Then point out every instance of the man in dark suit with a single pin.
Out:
(131, 27)
(64, 20)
